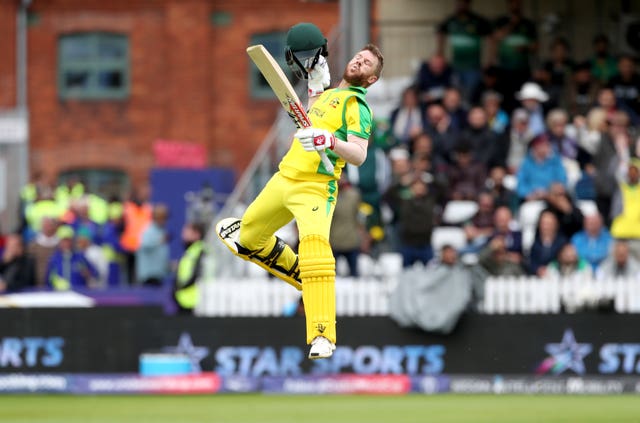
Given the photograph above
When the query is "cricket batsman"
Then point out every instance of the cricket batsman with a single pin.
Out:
(303, 189)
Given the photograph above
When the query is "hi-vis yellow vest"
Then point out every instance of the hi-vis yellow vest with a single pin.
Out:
(187, 297)
(627, 223)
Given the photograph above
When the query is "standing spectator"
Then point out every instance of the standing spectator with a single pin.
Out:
(581, 91)
(547, 244)
(464, 31)
(603, 64)
(532, 96)
(515, 41)
(626, 87)
(432, 78)
(559, 202)
(520, 137)
(497, 118)
(626, 209)
(559, 67)
(406, 121)
(152, 258)
(415, 203)
(569, 264)
(17, 267)
(137, 216)
(186, 292)
(619, 264)
(541, 168)
(42, 247)
(68, 268)
(79, 218)
(594, 241)
(346, 234)
(112, 248)
(45, 206)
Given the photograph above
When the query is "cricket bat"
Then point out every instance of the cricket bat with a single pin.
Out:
(284, 91)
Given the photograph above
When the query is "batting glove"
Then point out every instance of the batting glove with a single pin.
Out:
(319, 77)
(316, 139)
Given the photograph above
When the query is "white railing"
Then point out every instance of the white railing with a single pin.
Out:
(534, 295)
(255, 294)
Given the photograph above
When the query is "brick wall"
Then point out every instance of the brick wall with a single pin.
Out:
(189, 80)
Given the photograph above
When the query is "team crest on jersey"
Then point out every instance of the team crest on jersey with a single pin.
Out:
(334, 103)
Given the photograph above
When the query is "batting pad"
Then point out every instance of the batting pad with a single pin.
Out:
(318, 274)
(280, 257)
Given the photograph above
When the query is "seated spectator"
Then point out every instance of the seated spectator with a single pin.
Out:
(432, 78)
(452, 103)
(567, 146)
(546, 245)
(593, 243)
(559, 202)
(480, 227)
(619, 264)
(603, 64)
(347, 228)
(531, 98)
(607, 101)
(626, 87)
(17, 267)
(569, 264)
(68, 268)
(443, 135)
(406, 121)
(486, 146)
(466, 177)
(541, 168)
(581, 92)
(152, 258)
(512, 238)
(41, 248)
(591, 128)
(94, 255)
(626, 209)
(502, 196)
(414, 203)
(494, 257)
(421, 144)
(520, 137)
(498, 119)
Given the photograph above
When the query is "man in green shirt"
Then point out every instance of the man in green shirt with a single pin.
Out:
(464, 31)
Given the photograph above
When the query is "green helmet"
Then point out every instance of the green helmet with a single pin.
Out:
(304, 41)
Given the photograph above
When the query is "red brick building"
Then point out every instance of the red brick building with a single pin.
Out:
(185, 76)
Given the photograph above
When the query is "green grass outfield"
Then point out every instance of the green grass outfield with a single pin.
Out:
(320, 409)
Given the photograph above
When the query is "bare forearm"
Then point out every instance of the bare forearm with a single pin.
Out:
(354, 151)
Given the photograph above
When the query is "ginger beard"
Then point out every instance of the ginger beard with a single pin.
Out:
(354, 76)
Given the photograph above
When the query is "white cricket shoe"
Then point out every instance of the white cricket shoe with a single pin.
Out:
(321, 347)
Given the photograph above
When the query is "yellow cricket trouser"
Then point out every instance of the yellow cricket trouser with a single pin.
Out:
(312, 204)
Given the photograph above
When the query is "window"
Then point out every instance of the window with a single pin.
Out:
(275, 43)
(107, 183)
(93, 65)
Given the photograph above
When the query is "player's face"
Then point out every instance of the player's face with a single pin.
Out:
(360, 70)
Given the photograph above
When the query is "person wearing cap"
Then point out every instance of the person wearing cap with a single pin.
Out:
(68, 268)
(540, 169)
(531, 96)
(304, 189)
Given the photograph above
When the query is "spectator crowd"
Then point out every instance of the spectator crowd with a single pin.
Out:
(544, 146)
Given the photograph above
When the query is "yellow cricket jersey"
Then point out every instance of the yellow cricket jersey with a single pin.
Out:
(342, 111)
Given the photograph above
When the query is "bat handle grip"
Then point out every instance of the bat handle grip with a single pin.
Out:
(325, 161)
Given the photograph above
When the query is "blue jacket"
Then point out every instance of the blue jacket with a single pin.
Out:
(70, 268)
(593, 250)
(533, 175)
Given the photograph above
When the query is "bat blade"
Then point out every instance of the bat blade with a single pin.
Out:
(283, 90)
